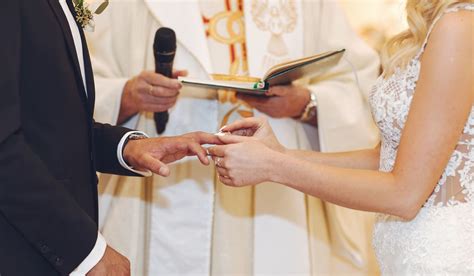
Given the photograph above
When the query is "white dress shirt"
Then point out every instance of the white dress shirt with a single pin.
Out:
(100, 246)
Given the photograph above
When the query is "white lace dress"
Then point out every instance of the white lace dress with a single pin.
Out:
(440, 240)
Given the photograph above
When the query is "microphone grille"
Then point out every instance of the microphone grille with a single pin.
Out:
(165, 40)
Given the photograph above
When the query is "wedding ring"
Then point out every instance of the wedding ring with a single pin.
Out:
(150, 91)
(218, 161)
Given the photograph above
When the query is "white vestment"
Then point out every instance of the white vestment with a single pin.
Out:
(188, 223)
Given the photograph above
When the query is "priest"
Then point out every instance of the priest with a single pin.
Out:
(190, 223)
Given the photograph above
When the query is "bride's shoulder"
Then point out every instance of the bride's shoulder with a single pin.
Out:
(457, 23)
(453, 20)
(453, 32)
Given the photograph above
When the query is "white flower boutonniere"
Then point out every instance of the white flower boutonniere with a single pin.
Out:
(84, 14)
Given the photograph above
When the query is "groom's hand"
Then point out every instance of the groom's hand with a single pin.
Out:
(154, 153)
(112, 263)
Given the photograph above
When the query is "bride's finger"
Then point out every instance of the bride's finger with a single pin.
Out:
(244, 132)
(233, 139)
(219, 161)
(247, 123)
(226, 181)
(218, 151)
(196, 149)
(223, 172)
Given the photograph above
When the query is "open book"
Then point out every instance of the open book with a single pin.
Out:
(280, 74)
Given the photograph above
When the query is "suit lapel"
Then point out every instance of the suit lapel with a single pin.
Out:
(89, 75)
(62, 20)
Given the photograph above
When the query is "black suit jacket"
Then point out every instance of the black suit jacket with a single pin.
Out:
(50, 148)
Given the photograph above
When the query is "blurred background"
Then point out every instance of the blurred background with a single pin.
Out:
(376, 20)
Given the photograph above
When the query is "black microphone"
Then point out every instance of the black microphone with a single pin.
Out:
(164, 49)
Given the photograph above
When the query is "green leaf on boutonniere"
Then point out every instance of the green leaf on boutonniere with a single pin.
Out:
(102, 7)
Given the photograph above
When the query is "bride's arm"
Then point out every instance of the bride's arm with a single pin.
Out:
(259, 129)
(441, 105)
(362, 159)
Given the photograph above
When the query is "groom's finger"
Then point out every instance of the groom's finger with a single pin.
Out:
(155, 165)
(204, 138)
(218, 151)
(226, 181)
(199, 151)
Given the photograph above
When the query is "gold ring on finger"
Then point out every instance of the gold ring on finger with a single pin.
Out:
(150, 91)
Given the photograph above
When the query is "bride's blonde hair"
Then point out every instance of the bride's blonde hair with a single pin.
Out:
(403, 47)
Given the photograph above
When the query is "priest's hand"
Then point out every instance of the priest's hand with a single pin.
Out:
(154, 153)
(150, 92)
(257, 128)
(287, 101)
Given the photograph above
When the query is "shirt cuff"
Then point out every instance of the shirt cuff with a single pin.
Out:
(92, 259)
(132, 123)
(120, 154)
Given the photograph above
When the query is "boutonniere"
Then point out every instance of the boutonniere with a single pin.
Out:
(85, 10)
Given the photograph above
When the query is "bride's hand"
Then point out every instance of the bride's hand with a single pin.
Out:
(244, 161)
(257, 128)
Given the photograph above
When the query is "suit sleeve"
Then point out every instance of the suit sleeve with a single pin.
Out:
(106, 145)
(343, 109)
(32, 201)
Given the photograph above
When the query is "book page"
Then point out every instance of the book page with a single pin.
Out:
(242, 86)
(307, 65)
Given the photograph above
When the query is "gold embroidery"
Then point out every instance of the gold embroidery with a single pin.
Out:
(232, 19)
(230, 96)
(233, 35)
(277, 17)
